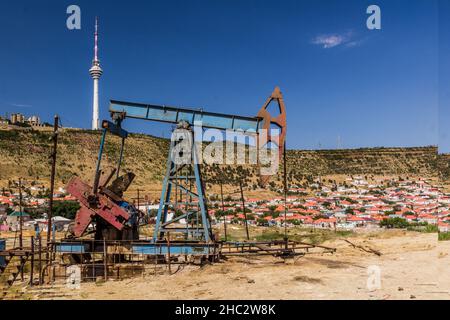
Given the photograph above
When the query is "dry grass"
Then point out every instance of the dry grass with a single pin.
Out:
(25, 154)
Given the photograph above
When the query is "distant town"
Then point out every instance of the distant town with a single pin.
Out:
(389, 203)
(355, 205)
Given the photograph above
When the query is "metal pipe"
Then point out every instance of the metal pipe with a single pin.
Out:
(120, 157)
(93, 260)
(138, 200)
(40, 259)
(223, 211)
(52, 179)
(105, 260)
(243, 210)
(32, 262)
(168, 252)
(99, 160)
(20, 215)
(285, 195)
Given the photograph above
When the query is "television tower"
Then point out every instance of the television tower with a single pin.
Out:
(96, 72)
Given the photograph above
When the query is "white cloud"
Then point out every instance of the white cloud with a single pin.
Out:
(328, 41)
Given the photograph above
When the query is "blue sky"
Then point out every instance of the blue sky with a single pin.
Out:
(340, 80)
(444, 76)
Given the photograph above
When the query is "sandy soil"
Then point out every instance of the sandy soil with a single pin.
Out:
(412, 266)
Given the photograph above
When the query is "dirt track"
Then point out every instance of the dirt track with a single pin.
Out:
(412, 265)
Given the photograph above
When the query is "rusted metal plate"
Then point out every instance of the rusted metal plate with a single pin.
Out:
(121, 184)
(279, 120)
(268, 121)
(82, 221)
(103, 207)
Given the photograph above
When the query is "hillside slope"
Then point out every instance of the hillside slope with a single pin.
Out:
(25, 154)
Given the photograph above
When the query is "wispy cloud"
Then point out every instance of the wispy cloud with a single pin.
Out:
(19, 105)
(328, 41)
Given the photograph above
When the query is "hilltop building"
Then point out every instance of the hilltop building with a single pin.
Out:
(34, 121)
(4, 121)
(17, 118)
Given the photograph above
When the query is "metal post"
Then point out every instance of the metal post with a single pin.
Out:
(146, 207)
(138, 200)
(168, 252)
(32, 262)
(93, 260)
(52, 179)
(120, 157)
(223, 210)
(105, 260)
(165, 198)
(156, 260)
(285, 195)
(243, 210)
(99, 161)
(40, 259)
(81, 266)
(20, 215)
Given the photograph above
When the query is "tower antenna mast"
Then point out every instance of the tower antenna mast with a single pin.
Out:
(95, 72)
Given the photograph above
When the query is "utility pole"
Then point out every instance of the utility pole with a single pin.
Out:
(285, 194)
(146, 205)
(223, 211)
(20, 215)
(243, 209)
(138, 199)
(52, 178)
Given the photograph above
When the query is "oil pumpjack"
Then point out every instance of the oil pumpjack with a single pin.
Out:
(183, 191)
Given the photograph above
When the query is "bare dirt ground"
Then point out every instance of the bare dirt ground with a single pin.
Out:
(412, 266)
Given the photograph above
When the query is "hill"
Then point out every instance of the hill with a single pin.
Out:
(25, 154)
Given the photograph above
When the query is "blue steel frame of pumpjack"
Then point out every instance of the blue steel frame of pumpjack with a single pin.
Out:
(166, 193)
(142, 248)
(174, 115)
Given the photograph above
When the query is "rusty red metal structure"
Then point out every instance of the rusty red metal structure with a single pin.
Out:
(268, 121)
(103, 207)
(102, 204)
(279, 120)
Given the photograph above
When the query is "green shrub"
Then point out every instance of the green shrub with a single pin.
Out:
(397, 223)
(444, 236)
(66, 209)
